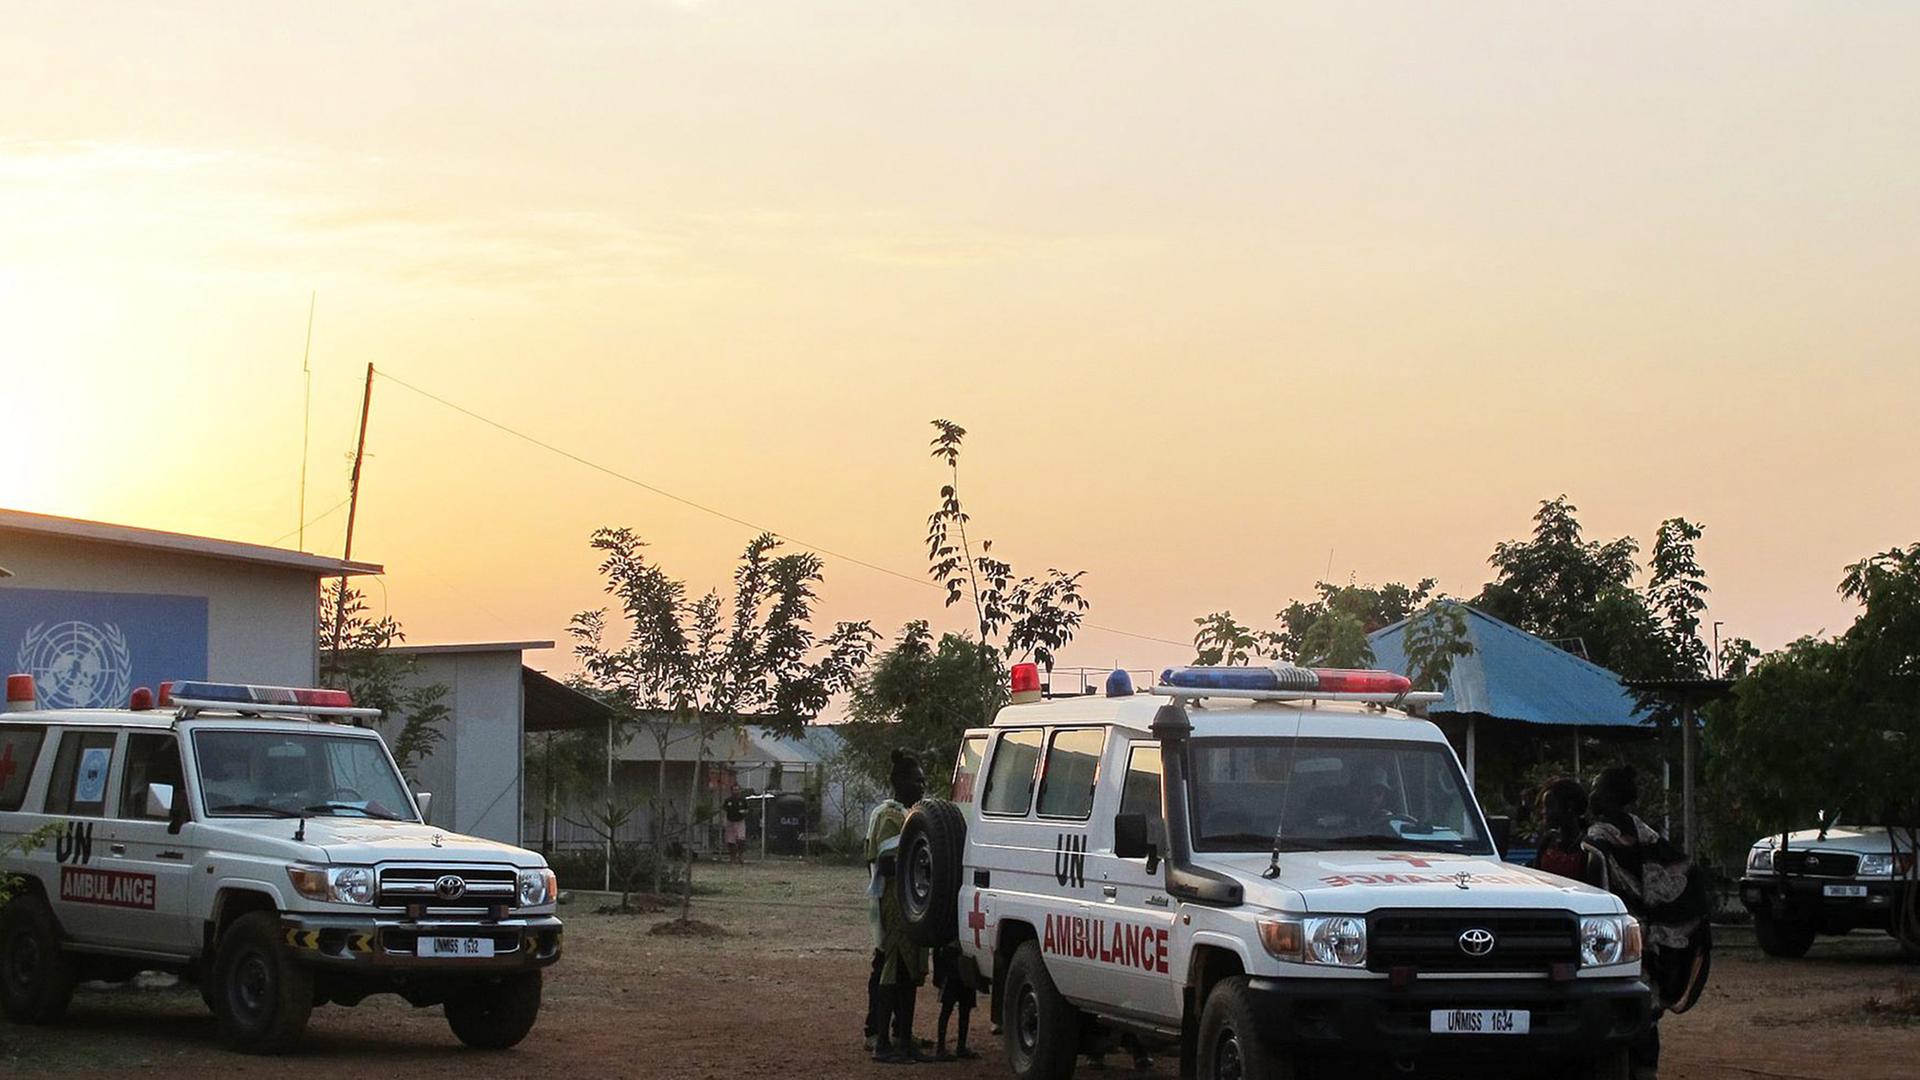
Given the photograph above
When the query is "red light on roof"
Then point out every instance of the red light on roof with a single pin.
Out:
(327, 698)
(142, 699)
(20, 690)
(1026, 683)
(1351, 681)
(164, 696)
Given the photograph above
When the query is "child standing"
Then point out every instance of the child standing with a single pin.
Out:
(954, 993)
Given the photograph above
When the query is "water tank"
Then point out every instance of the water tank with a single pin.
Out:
(786, 824)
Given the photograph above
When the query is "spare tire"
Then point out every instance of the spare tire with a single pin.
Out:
(926, 878)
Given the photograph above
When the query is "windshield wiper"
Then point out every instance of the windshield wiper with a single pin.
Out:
(329, 808)
(254, 808)
(1391, 840)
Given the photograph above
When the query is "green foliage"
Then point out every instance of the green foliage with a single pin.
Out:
(25, 844)
(355, 655)
(1832, 725)
(563, 768)
(1330, 631)
(1033, 617)
(1222, 639)
(697, 665)
(921, 695)
(1436, 636)
(1678, 593)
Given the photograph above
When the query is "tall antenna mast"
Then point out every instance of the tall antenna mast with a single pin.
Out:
(353, 510)
(306, 420)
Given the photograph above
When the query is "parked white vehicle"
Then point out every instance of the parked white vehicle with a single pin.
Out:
(1260, 867)
(248, 839)
(1828, 881)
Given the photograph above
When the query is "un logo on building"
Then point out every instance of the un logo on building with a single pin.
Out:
(77, 665)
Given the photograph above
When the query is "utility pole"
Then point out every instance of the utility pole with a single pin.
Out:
(353, 510)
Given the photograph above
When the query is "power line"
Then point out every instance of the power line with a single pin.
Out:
(705, 509)
(314, 520)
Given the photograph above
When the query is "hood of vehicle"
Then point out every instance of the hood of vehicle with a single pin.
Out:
(1864, 838)
(360, 841)
(1356, 882)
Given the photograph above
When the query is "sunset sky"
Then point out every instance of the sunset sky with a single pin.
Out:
(1227, 294)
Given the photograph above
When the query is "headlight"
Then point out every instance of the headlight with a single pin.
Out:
(1760, 859)
(333, 884)
(1877, 864)
(537, 887)
(1340, 941)
(1609, 939)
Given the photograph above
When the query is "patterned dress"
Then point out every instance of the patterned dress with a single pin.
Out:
(904, 963)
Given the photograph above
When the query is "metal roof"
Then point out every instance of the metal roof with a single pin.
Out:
(179, 544)
(1514, 675)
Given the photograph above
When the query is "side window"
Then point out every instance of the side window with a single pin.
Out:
(1010, 778)
(151, 759)
(79, 785)
(967, 769)
(1141, 793)
(1073, 765)
(19, 750)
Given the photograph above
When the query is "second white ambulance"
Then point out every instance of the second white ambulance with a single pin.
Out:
(1260, 868)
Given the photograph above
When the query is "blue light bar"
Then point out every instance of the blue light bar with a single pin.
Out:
(1241, 678)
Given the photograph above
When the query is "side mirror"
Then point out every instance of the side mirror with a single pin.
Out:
(425, 801)
(1130, 836)
(160, 801)
(1501, 828)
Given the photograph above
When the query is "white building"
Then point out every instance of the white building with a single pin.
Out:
(93, 610)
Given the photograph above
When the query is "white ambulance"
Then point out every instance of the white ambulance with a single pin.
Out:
(1261, 868)
(251, 839)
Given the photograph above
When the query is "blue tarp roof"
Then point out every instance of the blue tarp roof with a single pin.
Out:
(1513, 675)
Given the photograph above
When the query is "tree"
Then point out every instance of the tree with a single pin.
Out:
(1033, 617)
(695, 666)
(1224, 640)
(921, 695)
(24, 844)
(1436, 636)
(1678, 594)
(1832, 725)
(1553, 585)
(356, 655)
(1328, 631)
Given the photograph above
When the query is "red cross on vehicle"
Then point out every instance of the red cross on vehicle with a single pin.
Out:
(1414, 861)
(976, 920)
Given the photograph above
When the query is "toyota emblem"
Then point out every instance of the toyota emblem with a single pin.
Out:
(1476, 941)
(453, 887)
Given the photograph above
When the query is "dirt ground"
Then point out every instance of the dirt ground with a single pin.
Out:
(782, 994)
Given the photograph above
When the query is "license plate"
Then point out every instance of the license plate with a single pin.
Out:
(1481, 1021)
(1844, 890)
(463, 947)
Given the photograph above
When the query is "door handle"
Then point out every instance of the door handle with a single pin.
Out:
(177, 855)
(1109, 891)
(117, 849)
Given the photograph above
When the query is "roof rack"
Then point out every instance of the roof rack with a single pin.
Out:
(188, 708)
(1286, 682)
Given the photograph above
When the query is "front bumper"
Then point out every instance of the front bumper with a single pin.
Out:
(1804, 899)
(379, 943)
(1346, 1017)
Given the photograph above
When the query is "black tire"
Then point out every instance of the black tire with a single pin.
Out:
(496, 1015)
(926, 878)
(1782, 937)
(1041, 1030)
(262, 996)
(1231, 1045)
(36, 977)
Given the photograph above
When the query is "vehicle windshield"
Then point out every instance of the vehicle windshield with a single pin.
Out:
(1330, 794)
(289, 774)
